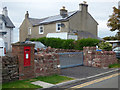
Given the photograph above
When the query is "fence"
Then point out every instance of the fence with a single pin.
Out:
(71, 59)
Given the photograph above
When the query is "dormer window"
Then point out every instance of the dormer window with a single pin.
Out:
(1, 25)
(41, 29)
(58, 27)
(29, 31)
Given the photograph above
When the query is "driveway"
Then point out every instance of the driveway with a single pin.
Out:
(82, 71)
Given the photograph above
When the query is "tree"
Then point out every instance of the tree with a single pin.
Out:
(110, 38)
(114, 21)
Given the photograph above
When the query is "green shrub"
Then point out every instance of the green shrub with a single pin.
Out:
(86, 42)
(105, 46)
(68, 44)
(54, 42)
(42, 40)
(33, 39)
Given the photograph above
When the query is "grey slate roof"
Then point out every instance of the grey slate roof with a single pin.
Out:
(35, 21)
(84, 34)
(8, 22)
(57, 18)
(50, 19)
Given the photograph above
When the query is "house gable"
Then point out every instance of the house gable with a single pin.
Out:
(23, 30)
(78, 22)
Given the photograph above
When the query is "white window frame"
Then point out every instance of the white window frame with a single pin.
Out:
(40, 29)
(29, 31)
(57, 27)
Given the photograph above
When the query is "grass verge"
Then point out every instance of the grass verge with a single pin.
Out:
(19, 84)
(117, 65)
(53, 79)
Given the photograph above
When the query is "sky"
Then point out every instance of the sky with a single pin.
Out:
(99, 9)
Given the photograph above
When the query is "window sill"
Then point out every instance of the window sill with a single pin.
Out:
(58, 31)
(41, 33)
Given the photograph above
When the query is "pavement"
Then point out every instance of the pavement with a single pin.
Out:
(43, 84)
(80, 73)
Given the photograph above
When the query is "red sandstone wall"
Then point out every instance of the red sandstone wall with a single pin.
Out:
(98, 58)
(46, 62)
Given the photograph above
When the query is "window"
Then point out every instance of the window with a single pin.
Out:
(29, 31)
(1, 25)
(58, 27)
(41, 29)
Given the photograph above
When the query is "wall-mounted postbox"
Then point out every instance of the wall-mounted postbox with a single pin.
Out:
(27, 58)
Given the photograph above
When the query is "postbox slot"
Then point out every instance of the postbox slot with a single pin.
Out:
(26, 49)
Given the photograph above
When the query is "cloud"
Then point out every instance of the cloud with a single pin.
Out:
(103, 30)
(59, 0)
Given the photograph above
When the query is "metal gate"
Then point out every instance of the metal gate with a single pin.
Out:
(71, 59)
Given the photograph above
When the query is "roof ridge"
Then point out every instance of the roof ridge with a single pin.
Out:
(52, 15)
(68, 12)
(38, 18)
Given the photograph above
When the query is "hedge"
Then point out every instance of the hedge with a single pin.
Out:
(67, 44)
(86, 42)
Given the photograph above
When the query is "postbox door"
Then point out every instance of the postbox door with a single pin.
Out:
(27, 57)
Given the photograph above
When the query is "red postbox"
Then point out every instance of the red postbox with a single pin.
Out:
(27, 56)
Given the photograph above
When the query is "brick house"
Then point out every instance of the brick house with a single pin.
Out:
(78, 22)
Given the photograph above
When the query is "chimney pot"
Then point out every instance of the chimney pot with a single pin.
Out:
(5, 11)
(27, 14)
(83, 6)
(63, 12)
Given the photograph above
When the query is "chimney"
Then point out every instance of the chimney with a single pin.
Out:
(27, 14)
(63, 12)
(83, 6)
(5, 11)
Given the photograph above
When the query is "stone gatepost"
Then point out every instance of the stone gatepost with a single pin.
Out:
(25, 53)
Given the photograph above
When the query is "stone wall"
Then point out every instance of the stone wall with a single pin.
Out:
(98, 58)
(46, 62)
(10, 68)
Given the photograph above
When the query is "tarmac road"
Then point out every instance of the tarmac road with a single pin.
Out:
(111, 81)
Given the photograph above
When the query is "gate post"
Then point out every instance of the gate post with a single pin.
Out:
(25, 53)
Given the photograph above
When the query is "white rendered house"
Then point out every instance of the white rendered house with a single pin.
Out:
(6, 29)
